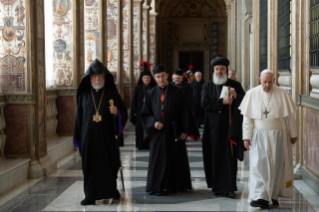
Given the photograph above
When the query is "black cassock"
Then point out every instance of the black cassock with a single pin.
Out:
(98, 147)
(139, 94)
(197, 96)
(188, 93)
(220, 166)
(168, 162)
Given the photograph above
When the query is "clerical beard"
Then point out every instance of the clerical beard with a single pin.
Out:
(97, 88)
(220, 80)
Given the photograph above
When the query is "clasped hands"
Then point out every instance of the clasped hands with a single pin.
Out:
(229, 100)
(247, 143)
(158, 125)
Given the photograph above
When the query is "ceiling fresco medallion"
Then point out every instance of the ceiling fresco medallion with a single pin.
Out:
(60, 7)
(8, 32)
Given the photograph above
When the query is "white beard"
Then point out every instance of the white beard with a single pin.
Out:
(97, 88)
(220, 80)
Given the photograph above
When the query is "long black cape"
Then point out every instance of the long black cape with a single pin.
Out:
(197, 96)
(220, 166)
(139, 94)
(168, 162)
(188, 93)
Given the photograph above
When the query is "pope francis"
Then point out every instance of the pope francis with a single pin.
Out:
(269, 131)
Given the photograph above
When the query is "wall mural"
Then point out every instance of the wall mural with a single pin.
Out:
(92, 31)
(126, 42)
(144, 28)
(13, 51)
(152, 41)
(59, 41)
(112, 37)
(136, 42)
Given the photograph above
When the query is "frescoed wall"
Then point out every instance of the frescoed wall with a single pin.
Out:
(13, 45)
(112, 37)
(136, 42)
(92, 31)
(126, 42)
(59, 43)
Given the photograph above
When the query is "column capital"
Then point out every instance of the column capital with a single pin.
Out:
(152, 13)
(146, 7)
(249, 17)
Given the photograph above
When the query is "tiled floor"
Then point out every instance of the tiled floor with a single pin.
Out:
(63, 190)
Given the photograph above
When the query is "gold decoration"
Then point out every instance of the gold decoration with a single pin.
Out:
(97, 117)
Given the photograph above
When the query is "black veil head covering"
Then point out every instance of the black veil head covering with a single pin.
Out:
(96, 67)
(219, 60)
(146, 73)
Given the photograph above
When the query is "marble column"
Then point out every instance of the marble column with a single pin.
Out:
(146, 30)
(2, 127)
(272, 31)
(229, 34)
(233, 38)
(246, 51)
(296, 70)
(153, 42)
(239, 43)
(137, 37)
(255, 74)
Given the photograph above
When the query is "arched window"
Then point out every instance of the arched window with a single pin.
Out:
(59, 43)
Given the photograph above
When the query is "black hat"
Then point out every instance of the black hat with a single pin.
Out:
(96, 67)
(179, 72)
(146, 73)
(219, 60)
(159, 69)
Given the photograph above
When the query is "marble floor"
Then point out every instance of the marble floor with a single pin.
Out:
(63, 190)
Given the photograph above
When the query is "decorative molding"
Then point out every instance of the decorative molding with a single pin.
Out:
(67, 92)
(314, 81)
(309, 102)
(249, 17)
(25, 99)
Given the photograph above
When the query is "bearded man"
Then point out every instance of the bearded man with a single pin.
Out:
(96, 130)
(222, 140)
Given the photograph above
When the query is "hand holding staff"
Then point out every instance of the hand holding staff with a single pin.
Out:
(116, 138)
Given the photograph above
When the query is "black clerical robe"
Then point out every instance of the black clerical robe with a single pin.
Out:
(220, 166)
(97, 144)
(139, 95)
(188, 93)
(168, 161)
(199, 112)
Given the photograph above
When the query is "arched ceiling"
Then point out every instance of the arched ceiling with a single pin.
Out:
(192, 8)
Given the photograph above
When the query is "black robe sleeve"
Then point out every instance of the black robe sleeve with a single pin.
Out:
(210, 104)
(78, 127)
(134, 106)
(148, 119)
(122, 108)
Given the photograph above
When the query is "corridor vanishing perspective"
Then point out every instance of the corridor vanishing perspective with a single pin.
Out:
(63, 189)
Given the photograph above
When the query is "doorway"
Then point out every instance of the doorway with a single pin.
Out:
(191, 58)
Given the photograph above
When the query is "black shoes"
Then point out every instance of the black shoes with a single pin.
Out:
(87, 202)
(230, 194)
(274, 204)
(157, 193)
(264, 204)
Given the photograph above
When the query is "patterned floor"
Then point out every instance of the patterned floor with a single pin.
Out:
(63, 190)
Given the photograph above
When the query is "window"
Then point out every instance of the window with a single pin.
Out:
(314, 33)
(263, 35)
(284, 35)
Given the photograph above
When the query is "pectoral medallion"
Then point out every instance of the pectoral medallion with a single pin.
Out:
(97, 117)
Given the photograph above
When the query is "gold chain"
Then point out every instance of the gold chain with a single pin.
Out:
(97, 110)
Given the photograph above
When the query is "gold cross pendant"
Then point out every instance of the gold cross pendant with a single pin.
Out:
(97, 117)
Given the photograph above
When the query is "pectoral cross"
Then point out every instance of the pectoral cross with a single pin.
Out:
(97, 117)
(266, 113)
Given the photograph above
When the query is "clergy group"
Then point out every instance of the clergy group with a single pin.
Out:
(166, 113)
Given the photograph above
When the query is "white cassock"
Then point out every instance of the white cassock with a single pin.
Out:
(271, 162)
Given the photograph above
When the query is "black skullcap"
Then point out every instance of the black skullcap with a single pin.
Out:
(179, 72)
(159, 69)
(219, 60)
(145, 73)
